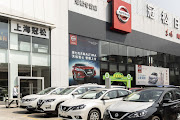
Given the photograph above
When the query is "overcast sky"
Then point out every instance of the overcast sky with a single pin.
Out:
(172, 6)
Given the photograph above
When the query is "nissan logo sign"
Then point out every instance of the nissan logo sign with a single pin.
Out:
(73, 38)
(123, 14)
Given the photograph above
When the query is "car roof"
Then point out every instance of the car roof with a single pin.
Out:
(164, 89)
(110, 89)
(86, 85)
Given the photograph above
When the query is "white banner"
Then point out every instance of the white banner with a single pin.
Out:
(148, 75)
(29, 29)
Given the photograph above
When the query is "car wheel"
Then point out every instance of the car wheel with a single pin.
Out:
(155, 118)
(94, 115)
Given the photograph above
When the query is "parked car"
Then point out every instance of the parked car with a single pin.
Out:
(149, 104)
(153, 78)
(30, 101)
(82, 72)
(50, 104)
(92, 104)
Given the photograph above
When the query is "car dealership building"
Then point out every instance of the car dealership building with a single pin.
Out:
(64, 42)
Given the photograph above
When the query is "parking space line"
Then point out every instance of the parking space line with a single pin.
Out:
(31, 118)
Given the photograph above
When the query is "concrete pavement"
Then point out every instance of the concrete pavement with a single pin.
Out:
(15, 113)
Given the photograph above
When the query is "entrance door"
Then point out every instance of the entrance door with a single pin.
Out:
(30, 85)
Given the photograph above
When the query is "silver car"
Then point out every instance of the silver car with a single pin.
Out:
(153, 78)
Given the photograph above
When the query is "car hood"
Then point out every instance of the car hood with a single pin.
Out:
(125, 106)
(32, 96)
(56, 97)
(76, 102)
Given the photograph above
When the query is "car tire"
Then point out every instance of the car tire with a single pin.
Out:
(94, 115)
(57, 107)
(155, 118)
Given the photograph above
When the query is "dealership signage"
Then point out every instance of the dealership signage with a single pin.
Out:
(151, 13)
(148, 75)
(121, 16)
(119, 77)
(165, 18)
(83, 60)
(29, 29)
(86, 5)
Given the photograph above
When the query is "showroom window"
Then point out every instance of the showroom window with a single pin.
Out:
(20, 42)
(24, 70)
(3, 34)
(122, 54)
(40, 45)
(131, 54)
(104, 50)
(42, 71)
(3, 80)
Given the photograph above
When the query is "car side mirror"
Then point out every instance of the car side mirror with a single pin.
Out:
(106, 98)
(167, 100)
(75, 93)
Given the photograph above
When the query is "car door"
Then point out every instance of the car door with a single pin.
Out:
(177, 100)
(113, 97)
(169, 107)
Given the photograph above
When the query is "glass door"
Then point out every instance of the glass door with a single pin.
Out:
(29, 86)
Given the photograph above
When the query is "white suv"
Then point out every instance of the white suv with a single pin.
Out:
(30, 101)
(92, 104)
(50, 104)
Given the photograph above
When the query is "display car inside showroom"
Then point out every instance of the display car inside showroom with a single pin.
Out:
(98, 36)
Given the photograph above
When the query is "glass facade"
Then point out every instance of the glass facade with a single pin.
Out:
(22, 56)
(121, 58)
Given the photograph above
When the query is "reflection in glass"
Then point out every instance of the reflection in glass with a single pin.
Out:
(104, 50)
(40, 45)
(131, 54)
(42, 71)
(3, 80)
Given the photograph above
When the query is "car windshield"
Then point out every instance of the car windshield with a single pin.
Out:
(45, 91)
(93, 94)
(67, 91)
(144, 96)
(80, 65)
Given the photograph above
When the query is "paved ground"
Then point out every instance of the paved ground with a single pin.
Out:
(15, 113)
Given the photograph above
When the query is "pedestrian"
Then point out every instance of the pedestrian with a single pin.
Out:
(15, 95)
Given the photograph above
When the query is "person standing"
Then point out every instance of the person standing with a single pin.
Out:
(15, 95)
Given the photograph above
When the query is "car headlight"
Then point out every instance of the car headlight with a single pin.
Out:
(32, 99)
(78, 107)
(49, 100)
(138, 114)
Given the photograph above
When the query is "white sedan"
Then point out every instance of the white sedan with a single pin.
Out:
(30, 101)
(92, 104)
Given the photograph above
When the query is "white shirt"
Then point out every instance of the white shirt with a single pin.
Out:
(15, 91)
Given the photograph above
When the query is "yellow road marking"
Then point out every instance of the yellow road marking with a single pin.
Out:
(30, 117)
